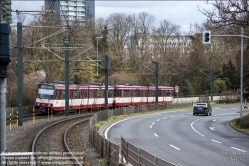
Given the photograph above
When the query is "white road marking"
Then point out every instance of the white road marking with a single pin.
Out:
(216, 141)
(214, 120)
(238, 149)
(165, 118)
(216, 108)
(194, 128)
(158, 119)
(181, 114)
(206, 117)
(212, 128)
(174, 147)
(107, 130)
(155, 135)
(153, 123)
(150, 126)
(172, 116)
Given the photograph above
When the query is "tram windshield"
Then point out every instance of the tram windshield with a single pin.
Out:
(45, 91)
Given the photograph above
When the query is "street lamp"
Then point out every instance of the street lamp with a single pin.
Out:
(98, 38)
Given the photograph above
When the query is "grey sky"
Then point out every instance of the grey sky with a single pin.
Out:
(178, 12)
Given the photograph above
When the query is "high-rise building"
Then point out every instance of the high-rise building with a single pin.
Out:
(73, 10)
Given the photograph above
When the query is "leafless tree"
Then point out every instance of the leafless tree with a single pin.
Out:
(228, 13)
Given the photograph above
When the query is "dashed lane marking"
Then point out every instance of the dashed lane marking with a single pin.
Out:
(155, 135)
(212, 128)
(174, 147)
(216, 141)
(238, 149)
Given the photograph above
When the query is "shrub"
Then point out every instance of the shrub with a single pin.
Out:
(243, 122)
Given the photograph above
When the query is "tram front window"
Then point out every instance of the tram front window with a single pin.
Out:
(45, 91)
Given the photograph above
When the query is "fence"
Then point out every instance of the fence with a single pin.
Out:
(26, 110)
(126, 150)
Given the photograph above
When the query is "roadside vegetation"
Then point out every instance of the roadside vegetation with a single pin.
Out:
(241, 124)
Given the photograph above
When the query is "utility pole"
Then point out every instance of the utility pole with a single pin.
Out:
(156, 77)
(241, 64)
(20, 72)
(5, 50)
(211, 83)
(106, 82)
(99, 37)
(66, 78)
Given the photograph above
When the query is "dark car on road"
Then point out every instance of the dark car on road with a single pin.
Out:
(202, 108)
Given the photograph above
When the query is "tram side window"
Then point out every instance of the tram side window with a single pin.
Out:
(110, 92)
(150, 93)
(85, 94)
(91, 94)
(100, 94)
(160, 93)
(57, 94)
(119, 94)
(137, 93)
(62, 94)
(127, 93)
(169, 93)
(145, 93)
(77, 94)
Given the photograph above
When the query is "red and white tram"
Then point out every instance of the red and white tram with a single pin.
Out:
(88, 96)
(125, 95)
(91, 96)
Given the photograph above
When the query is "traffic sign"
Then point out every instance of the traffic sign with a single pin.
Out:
(246, 107)
(176, 89)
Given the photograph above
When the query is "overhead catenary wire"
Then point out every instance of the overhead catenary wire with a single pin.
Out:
(82, 52)
(53, 34)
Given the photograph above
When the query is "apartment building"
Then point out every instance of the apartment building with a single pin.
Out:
(73, 10)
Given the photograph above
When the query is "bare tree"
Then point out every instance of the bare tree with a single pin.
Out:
(228, 13)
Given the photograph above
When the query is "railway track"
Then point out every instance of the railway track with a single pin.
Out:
(51, 143)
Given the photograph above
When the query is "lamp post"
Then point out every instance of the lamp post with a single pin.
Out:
(98, 37)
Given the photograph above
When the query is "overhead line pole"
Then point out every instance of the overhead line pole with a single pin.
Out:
(66, 78)
(156, 77)
(241, 64)
(20, 72)
(106, 82)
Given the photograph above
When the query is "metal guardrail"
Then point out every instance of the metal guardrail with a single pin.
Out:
(126, 150)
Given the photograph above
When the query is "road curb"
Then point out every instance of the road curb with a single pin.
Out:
(237, 129)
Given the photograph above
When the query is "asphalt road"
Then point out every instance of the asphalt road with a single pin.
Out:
(184, 139)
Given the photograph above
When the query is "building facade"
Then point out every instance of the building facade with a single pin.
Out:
(73, 10)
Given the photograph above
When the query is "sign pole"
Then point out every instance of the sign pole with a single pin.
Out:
(176, 91)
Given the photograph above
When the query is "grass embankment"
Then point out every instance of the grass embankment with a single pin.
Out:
(102, 123)
(241, 124)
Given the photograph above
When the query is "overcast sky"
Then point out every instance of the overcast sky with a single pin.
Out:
(178, 12)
